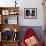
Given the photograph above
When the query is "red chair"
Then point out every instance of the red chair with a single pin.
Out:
(29, 33)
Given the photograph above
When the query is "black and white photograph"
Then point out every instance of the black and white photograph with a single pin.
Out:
(30, 13)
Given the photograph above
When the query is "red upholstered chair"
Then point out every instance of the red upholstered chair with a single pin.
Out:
(29, 33)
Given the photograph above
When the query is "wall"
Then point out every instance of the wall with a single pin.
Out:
(27, 4)
(32, 4)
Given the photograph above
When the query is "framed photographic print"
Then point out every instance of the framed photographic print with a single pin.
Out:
(5, 12)
(30, 13)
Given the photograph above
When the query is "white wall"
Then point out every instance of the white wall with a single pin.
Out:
(27, 4)
(32, 4)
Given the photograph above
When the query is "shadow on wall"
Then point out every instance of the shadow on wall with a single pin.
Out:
(37, 29)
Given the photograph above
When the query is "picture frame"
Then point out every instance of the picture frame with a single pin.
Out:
(5, 12)
(30, 13)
